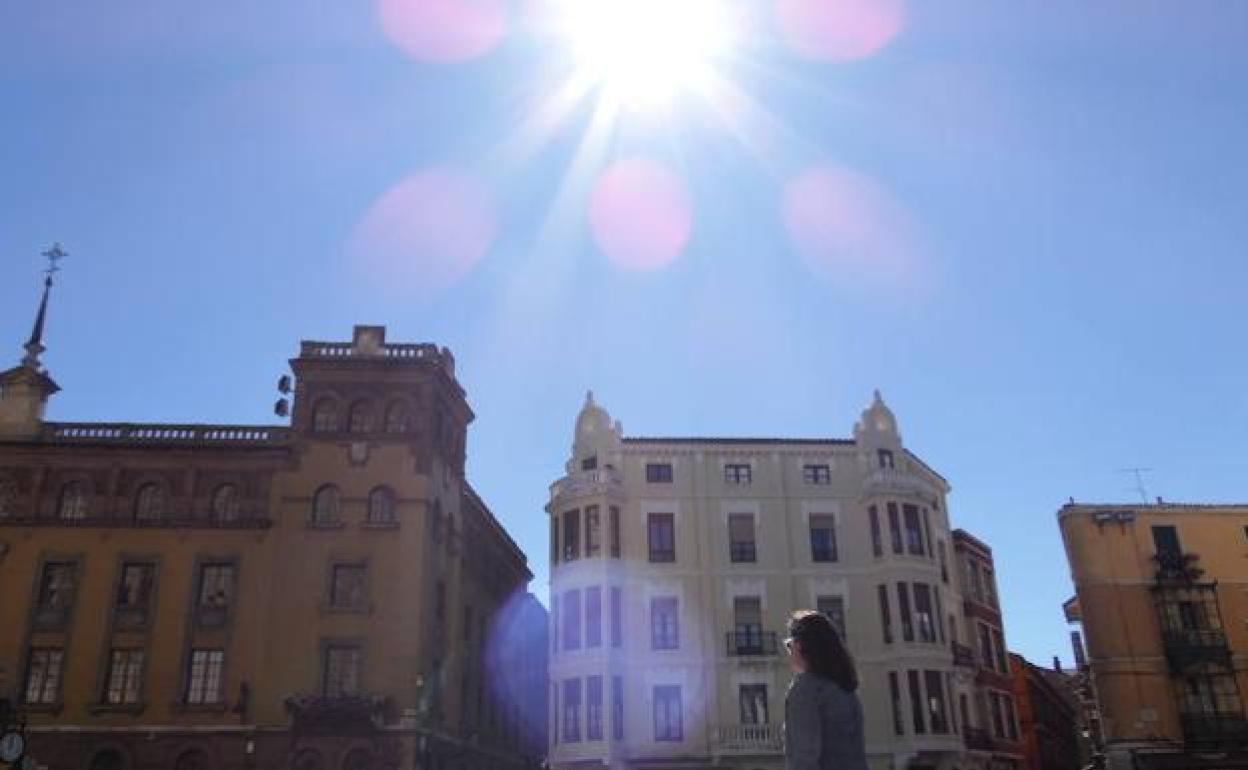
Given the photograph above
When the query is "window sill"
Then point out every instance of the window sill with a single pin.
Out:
(326, 524)
(382, 525)
(133, 709)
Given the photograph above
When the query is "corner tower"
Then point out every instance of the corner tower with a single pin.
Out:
(25, 389)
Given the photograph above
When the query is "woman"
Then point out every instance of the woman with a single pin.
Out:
(822, 714)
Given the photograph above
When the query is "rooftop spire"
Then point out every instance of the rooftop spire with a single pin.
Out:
(34, 346)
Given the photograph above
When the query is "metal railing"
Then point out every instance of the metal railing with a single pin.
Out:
(743, 551)
(751, 642)
(763, 738)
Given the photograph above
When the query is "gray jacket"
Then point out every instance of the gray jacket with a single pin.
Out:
(822, 726)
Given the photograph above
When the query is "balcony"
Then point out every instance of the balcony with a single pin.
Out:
(1190, 647)
(962, 655)
(336, 714)
(749, 739)
(1215, 729)
(891, 480)
(750, 643)
(1175, 567)
(601, 481)
(742, 551)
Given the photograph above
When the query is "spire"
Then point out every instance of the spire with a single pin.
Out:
(34, 346)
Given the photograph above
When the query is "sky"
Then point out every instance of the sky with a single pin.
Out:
(1024, 222)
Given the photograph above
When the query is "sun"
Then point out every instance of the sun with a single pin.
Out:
(642, 53)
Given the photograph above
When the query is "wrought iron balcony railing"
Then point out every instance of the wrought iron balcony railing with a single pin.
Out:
(1215, 728)
(750, 739)
(1190, 647)
(751, 643)
(1177, 567)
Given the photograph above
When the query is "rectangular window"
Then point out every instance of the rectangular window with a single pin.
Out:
(203, 680)
(593, 532)
(903, 607)
(927, 532)
(1166, 540)
(833, 608)
(998, 723)
(747, 613)
(664, 623)
(572, 620)
(752, 699)
(216, 586)
(886, 615)
(944, 562)
(939, 612)
(668, 723)
(916, 702)
(593, 708)
(571, 710)
(593, 617)
(741, 546)
(617, 708)
(134, 592)
(125, 677)
(822, 537)
(894, 691)
(590, 463)
(571, 535)
(820, 475)
(554, 539)
(56, 585)
(349, 586)
(662, 534)
(555, 714)
(616, 616)
(1003, 662)
(924, 613)
(914, 530)
(985, 646)
(43, 675)
(885, 457)
(342, 670)
(738, 473)
(659, 473)
(1011, 725)
(894, 528)
(937, 714)
(615, 531)
(990, 587)
(877, 545)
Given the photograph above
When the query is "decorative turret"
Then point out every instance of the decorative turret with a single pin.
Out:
(876, 432)
(24, 389)
(596, 435)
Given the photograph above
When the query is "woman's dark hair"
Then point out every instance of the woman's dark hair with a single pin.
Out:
(823, 649)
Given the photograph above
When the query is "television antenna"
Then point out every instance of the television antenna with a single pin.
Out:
(1138, 474)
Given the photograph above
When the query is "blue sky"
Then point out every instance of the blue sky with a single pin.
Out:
(1051, 289)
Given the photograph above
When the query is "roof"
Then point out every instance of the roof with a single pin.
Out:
(961, 536)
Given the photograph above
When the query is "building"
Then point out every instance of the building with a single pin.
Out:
(676, 562)
(986, 702)
(328, 593)
(1048, 716)
(1160, 592)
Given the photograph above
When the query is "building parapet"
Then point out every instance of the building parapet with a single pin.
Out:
(154, 433)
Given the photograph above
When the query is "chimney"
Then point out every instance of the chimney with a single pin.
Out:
(1057, 664)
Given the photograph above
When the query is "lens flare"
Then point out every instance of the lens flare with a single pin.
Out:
(444, 31)
(837, 30)
(639, 214)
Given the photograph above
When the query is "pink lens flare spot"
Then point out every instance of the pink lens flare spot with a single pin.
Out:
(639, 214)
(427, 233)
(444, 31)
(837, 30)
(849, 227)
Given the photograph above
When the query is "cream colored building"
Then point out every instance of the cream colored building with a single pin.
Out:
(676, 561)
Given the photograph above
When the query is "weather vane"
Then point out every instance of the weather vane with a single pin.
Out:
(54, 254)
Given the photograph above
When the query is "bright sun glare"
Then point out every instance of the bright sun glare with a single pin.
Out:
(641, 53)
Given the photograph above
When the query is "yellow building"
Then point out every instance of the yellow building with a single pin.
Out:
(1162, 594)
(325, 594)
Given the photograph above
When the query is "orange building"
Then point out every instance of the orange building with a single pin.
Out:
(1048, 716)
(324, 594)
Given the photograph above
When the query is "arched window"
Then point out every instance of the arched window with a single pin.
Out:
(8, 497)
(108, 759)
(149, 503)
(361, 416)
(325, 416)
(192, 760)
(325, 505)
(381, 506)
(225, 503)
(308, 759)
(396, 417)
(358, 759)
(73, 501)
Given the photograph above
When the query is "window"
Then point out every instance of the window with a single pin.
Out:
(57, 585)
(894, 691)
(886, 616)
(885, 458)
(944, 562)
(664, 624)
(833, 608)
(662, 532)
(396, 417)
(1011, 726)
(325, 416)
(149, 503)
(985, 646)
(1166, 540)
(822, 537)
(659, 473)
(616, 616)
(737, 473)
(348, 588)
(571, 710)
(998, 722)
(615, 532)
(593, 708)
(668, 724)
(43, 675)
(753, 703)
(590, 463)
(741, 537)
(593, 532)
(817, 474)
(617, 708)
(914, 531)
(225, 503)
(924, 614)
(8, 497)
(937, 715)
(203, 681)
(73, 501)
(747, 613)
(927, 532)
(325, 505)
(125, 677)
(593, 617)
(877, 546)
(990, 587)
(571, 535)
(381, 506)
(361, 418)
(134, 592)
(1003, 662)
(554, 540)
(894, 527)
(977, 587)
(572, 620)
(903, 607)
(342, 670)
(916, 702)
(216, 585)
